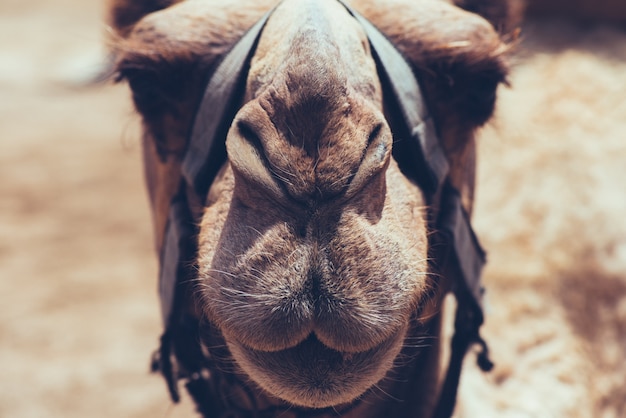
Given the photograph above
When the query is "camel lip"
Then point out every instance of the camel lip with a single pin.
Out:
(309, 350)
(310, 344)
(313, 375)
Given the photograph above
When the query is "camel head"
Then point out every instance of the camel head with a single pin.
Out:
(312, 261)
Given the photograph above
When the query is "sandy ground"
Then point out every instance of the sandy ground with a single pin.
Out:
(79, 312)
(550, 209)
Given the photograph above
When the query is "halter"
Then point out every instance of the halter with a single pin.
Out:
(456, 251)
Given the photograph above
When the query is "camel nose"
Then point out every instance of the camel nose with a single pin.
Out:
(248, 159)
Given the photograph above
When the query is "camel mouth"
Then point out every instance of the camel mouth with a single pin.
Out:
(313, 375)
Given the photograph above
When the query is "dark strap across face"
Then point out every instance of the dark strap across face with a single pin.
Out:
(206, 151)
(418, 138)
(205, 155)
(428, 166)
(458, 255)
(457, 252)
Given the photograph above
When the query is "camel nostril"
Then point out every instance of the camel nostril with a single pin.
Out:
(375, 132)
(248, 133)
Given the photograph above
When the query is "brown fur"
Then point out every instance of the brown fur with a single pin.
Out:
(124, 14)
(313, 245)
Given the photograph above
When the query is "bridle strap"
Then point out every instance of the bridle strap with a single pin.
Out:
(206, 151)
(429, 163)
(458, 254)
(460, 257)
(180, 354)
(204, 156)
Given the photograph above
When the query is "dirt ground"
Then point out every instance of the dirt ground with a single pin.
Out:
(79, 312)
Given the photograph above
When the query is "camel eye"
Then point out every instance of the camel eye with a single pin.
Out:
(153, 91)
(145, 88)
(163, 95)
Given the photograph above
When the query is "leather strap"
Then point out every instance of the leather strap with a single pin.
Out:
(178, 252)
(429, 165)
(458, 254)
(207, 151)
(180, 354)
(464, 258)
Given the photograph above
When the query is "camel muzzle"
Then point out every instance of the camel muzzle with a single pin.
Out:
(457, 255)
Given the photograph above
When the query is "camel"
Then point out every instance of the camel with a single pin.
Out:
(311, 289)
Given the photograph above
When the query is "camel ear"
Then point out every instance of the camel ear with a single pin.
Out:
(165, 57)
(462, 61)
(123, 14)
(466, 88)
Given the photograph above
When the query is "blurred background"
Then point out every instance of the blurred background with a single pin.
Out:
(79, 312)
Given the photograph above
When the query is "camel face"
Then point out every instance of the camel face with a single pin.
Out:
(313, 244)
(312, 262)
